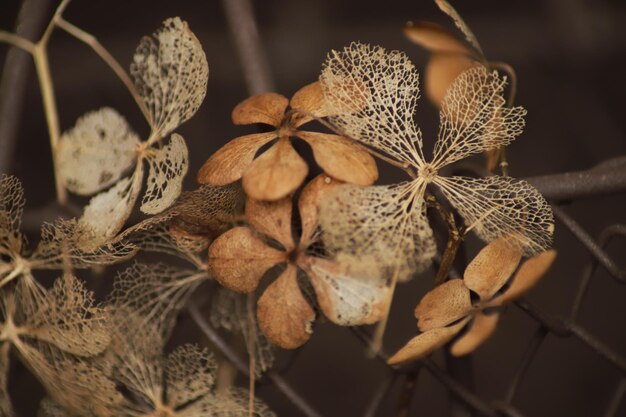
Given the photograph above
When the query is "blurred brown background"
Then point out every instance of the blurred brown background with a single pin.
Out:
(570, 60)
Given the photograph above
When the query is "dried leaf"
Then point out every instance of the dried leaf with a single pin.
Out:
(342, 158)
(96, 152)
(284, 315)
(492, 267)
(309, 101)
(267, 108)
(170, 72)
(238, 259)
(273, 219)
(443, 305)
(276, 173)
(441, 71)
(231, 161)
(482, 326)
(458, 21)
(189, 376)
(344, 298)
(309, 205)
(424, 344)
(434, 38)
(167, 169)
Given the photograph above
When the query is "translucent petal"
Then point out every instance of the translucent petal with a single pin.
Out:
(96, 152)
(443, 305)
(482, 326)
(167, 169)
(189, 375)
(11, 210)
(496, 206)
(267, 108)
(441, 71)
(474, 117)
(460, 23)
(170, 72)
(372, 94)
(382, 226)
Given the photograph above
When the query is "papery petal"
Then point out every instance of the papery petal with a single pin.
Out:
(441, 70)
(434, 38)
(482, 326)
(309, 205)
(443, 305)
(310, 101)
(447, 8)
(268, 108)
(272, 218)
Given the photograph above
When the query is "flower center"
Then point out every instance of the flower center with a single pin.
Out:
(427, 172)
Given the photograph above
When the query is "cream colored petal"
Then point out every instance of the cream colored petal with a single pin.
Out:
(441, 70)
(443, 305)
(460, 23)
(11, 209)
(268, 108)
(434, 38)
(284, 315)
(344, 297)
(272, 218)
(309, 205)
(275, 174)
(342, 158)
(479, 330)
(189, 375)
(424, 344)
(310, 101)
(230, 162)
(492, 267)
(238, 259)
(96, 152)
(531, 271)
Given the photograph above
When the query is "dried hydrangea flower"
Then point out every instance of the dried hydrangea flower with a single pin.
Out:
(240, 257)
(279, 170)
(170, 73)
(389, 222)
(448, 308)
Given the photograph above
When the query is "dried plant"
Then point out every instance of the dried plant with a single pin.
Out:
(279, 170)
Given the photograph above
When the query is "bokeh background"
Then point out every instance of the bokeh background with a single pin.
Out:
(570, 59)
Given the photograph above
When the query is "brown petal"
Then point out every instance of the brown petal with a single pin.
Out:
(284, 315)
(309, 204)
(310, 100)
(238, 259)
(443, 305)
(268, 108)
(435, 38)
(492, 267)
(230, 162)
(342, 158)
(424, 344)
(481, 328)
(344, 298)
(526, 277)
(441, 70)
(276, 173)
(272, 218)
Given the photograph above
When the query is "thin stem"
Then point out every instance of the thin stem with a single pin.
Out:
(455, 238)
(50, 28)
(17, 41)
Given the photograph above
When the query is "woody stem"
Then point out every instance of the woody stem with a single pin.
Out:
(455, 238)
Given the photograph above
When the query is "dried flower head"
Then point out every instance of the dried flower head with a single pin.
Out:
(447, 309)
(279, 170)
(240, 258)
(392, 226)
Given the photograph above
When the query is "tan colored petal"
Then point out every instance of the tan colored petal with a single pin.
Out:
(309, 205)
(424, 344)
(526, 277)
(441, 70)
(230, 162)
(492, 267)
(443, 305)
(268, 108)
(310, 100)
(272, 218)
(276, 173)
(238, 259)
(481, 328)
(460, 23)
(434, 37)
(342, 158)
(344, 297)
(284, 315)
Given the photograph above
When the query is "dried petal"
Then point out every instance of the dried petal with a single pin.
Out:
(268, 108)
(441, 71)
(380, 112)
(167, 169)
(492, 267)
(424, 344)
(479, 330)
(230, 162)
(276, 173)
(497, 206)
(531, 271)
(170, 72)
(309, 100)
(6, 408)
(345, 298)
(238, 259)
(342, 158)
(309, 205)
(96, 152)
(458, 21)
(285, 316)
(189, 375)
(11, 210)
(434, 37)
(272, 218)
(443, 305)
